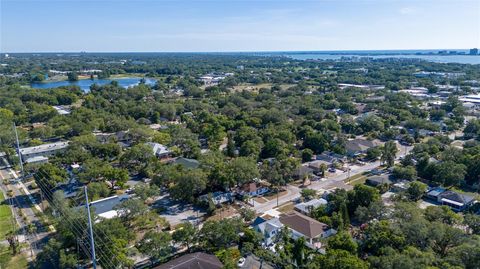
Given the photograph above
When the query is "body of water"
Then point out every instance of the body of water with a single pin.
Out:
(85, 84)
(463, 59)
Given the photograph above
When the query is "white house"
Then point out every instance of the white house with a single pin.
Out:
(159, 150)
(43, 150)
(268, 228)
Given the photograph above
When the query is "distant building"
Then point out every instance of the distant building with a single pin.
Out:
(473, 51)
(472, 98)
(43, 150)
(62, 110)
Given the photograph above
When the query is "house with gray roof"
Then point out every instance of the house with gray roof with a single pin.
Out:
(197, 260)
(159, 150)
(106, 208)
(456, 201)
(359, 146)
(269, 229)
(307, 207)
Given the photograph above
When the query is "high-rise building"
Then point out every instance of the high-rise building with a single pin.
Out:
(474, 51)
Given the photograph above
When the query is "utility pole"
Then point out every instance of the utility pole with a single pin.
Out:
(92, 242)
(18, 150)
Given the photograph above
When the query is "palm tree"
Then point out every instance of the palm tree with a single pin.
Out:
(389, 152)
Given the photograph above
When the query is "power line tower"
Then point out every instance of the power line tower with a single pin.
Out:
(18, 151)
(92, 241)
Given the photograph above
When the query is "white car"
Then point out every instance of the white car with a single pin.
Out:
(241, 262)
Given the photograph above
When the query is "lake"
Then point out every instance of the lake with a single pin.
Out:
(85, 84)
(462, 59)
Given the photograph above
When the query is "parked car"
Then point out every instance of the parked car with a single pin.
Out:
(241, 262)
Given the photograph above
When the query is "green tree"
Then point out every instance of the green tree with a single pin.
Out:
(335, 259)
(242, 170)
(185, 234)
(416, 190)
(72, 76)
(473, 223)
(344, 241)
(307, 155)
(188, 185)
(156, 245)
(389, 152)
(308, 194)
(137, 158)
(116, 176)
(373, 153)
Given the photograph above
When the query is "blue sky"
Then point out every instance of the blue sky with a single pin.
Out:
(237, 25)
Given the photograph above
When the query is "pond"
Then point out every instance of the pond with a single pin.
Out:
(85, 84)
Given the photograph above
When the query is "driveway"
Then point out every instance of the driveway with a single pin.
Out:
(177, 212)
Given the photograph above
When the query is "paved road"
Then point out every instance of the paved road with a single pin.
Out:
(22, 204)
(333, 181)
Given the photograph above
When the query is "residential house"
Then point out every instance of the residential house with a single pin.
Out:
(303, 172)
(359, 146)
(43, 150)
(196, 260)
(268, 228)
(375, 181)
(253, 189)
(317, 166)
(218, 197)
(306, 208)
(401, 186)
(159, 150)
(302, 226)
(36, 160)
(331, 157)
(456, 201)
(105, 208)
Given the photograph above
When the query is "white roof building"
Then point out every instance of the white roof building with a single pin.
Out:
(472, 98)
(159, 150)
(43, 150)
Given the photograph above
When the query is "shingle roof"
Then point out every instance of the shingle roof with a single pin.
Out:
(197, 260)
(307, 226)
(457, 197)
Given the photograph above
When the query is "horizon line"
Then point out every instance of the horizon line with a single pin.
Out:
(238, 51)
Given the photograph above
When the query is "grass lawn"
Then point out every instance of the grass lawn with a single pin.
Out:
(7, 261)
(286, 208)
(5, 218)
(357, 179)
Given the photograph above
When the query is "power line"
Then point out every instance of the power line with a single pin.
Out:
(75, 226)
(49, 195)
